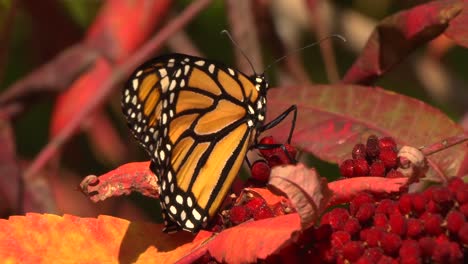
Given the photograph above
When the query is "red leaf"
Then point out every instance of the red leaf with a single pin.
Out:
(398, 35)
(457, 27)
(333, 118)
(248, 242)
(345, 190)
(130, 177)
(307, 191)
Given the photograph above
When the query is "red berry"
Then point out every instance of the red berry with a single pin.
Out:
(455, 221)
(463, 234)
(380, 220)
(377, 169)
(387, 206)
(441, 253)
(262, 213)
(372, 147)
(456, 254)
(254, 204)
(462, 195)
(414, 227)
(464, 210)
(427, 245)
(387, 260)
(339, 238)
(325, 251)
(387, 142)
(239, 214)
(352, 226)
(390, 243)
(365, 212)
(336, 218)
(418, 202)
(361, 167)
(357, 201)
(405, 203)
(323, 232)
(433, 207)
(397, 223)
(347, 168)
(454, 184)
(353, 250)
(432, 223)
(410, 249)
(372, 236)
(373, 253)
(394, 174)
(443, 197)
(359, 151)
(260, 171)
(267, 141)
(389, 158)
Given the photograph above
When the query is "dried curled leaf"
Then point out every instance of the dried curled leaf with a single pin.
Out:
(306, 190)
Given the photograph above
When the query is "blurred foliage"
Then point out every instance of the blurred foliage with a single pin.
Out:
(31, 129)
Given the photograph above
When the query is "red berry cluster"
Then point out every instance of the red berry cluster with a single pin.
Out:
(378, 157)
(274, 156)
(427, 227)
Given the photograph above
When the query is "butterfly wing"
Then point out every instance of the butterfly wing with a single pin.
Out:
(194, 117)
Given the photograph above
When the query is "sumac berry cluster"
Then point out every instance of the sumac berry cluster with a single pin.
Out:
(427, 227)
(273, 156)
(378, 157)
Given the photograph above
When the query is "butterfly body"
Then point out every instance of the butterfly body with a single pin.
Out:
(196, 118)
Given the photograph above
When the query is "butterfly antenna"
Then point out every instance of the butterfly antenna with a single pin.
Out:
(305, 47)
(241, 51)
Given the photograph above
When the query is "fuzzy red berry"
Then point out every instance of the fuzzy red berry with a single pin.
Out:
(390, 243)
(372, 147)
(454, 184)
(462, 195)
(441, 252)
(463, 234)
(432, 223)
(442, 196)
(254, 204)
(410, 249)
(427, 245)
(239, 214)
(267, 141)
(414, 228)
(352, 250)
(336, 218)
(388, 157)
(455, 221)
(262, 213)
(372, 236)
(405, 203)
(387, 260)
(464, 210)
(377, 169)
(373, 253)
(387, 142)
(365, 212)
(433, 207)
(339, 238)
(323, 232)
(387, 206)
(352, 226)
(359, 151)
(357, 201)
(260, 171)
(380, 220)
(394, 174)
(397, 223)
(361, 167)
(418, 203)
(347, 168)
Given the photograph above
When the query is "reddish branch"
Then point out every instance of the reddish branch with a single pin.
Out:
(119, 74)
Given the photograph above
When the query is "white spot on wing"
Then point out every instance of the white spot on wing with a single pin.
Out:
(196, 214)
(200, 63)
(189, 202)
(189, 224)
(162, 72)
(138, 73)
(231, 71)
(211, 68)
(173, 209)
(164, 83)
(179, 199)
(135, 84)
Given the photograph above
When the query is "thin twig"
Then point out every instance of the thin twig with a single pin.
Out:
(119, 73)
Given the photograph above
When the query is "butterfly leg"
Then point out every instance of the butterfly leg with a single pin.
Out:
(280, 118)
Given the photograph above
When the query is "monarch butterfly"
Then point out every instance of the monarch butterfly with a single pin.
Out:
(196, 118)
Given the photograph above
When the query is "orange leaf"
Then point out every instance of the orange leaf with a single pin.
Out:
(307, 191)
(38, 238)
